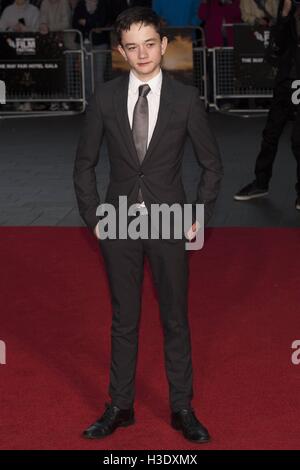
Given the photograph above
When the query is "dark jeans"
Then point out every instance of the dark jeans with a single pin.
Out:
(279, 114)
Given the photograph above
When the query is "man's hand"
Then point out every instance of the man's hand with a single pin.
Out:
(287, 6)
(19, 27)
(262, 22)
(193, 231)
(44, 28)
(82, 22)
(96, 232)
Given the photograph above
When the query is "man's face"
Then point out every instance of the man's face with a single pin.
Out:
(20, 2)
(143, 49)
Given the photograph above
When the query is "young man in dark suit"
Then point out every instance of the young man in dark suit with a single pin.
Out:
(146, 117)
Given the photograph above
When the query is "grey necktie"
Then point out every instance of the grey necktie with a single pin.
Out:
(140, 124)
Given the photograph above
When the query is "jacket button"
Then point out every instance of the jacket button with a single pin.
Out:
(141, 174)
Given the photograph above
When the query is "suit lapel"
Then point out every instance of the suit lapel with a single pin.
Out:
(164, 115)
(120, 104)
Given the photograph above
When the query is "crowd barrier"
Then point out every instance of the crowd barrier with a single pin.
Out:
(87, 63)
(227, 95)
(37, 100)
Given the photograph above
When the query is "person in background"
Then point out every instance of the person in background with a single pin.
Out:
(286, 40)
(259, 12)
(89, 17)
(214, 14)
(55, 15)
(20, 17)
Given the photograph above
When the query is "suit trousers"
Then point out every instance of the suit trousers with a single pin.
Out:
(124, 261)
(280, 112)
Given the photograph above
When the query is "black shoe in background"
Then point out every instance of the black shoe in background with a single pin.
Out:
(251, 191)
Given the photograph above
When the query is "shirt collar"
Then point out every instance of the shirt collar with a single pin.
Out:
(155, 83)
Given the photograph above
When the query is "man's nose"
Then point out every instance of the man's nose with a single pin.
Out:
(142, 52)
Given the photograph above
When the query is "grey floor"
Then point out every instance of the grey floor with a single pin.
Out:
(36, 165)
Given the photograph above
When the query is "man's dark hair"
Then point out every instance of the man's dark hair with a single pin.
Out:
(143, 15)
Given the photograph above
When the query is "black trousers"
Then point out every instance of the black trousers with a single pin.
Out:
(279, 114)
(124, 261)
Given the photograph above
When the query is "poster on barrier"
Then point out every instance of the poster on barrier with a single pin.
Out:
(250, 68)
(177, 61)
(32, 62)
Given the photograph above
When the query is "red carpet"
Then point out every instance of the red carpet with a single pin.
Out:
(55, 321)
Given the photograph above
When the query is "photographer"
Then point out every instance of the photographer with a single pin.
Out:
(285, 48)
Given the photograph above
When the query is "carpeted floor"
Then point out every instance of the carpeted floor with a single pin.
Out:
(55, 321)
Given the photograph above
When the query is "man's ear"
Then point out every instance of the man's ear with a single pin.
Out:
(164, 44)
(122, 52)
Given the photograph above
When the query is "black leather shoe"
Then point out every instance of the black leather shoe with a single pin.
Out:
(186, 421)
(112, 418)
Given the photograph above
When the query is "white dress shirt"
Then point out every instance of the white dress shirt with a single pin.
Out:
(153, 98)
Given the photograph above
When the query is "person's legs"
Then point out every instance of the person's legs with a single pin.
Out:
(124, 265)
(280, 111)
(169, 265)
(277, 119)
(296, 152)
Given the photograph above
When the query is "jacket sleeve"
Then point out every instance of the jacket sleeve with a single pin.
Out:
(34, 19)
(87, 157)
(4, 24)
(207, 153)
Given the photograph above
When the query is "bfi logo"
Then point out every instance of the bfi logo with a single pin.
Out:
(2, 353)
(2, 92)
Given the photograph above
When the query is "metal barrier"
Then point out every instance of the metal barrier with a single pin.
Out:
(213, 75)
(224, 87)
(69, 101)
(227, 90)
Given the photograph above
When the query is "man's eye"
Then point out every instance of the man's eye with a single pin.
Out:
(131, 48)
(150, 44)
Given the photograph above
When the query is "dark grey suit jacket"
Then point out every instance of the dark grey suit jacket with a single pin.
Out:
(181, 114)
